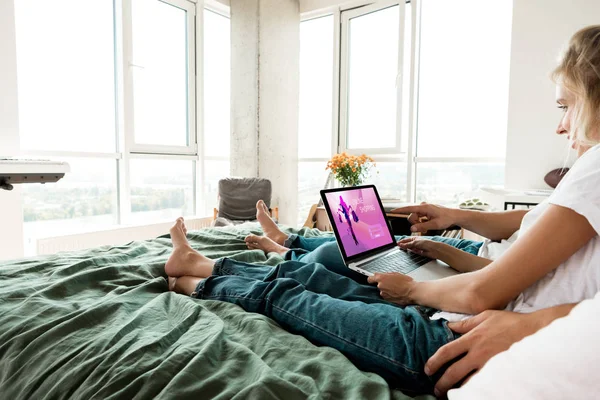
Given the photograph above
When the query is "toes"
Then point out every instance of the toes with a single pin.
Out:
(252, 238)
(265, 208)
(259, 204)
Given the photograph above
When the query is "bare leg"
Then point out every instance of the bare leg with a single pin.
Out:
(184, 284)
(184, 260)
(265, 244)
(269, 226)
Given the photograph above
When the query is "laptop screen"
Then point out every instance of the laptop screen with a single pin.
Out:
(358, 219)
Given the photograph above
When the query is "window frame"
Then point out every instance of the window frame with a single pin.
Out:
(335, 12)
(128, 66)
(201, 178)
(345, 18)
(396, 154)
(414, 112)
(125, 148)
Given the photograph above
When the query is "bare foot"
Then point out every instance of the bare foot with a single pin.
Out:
(184, 260)
(265, 244)
(269, 226)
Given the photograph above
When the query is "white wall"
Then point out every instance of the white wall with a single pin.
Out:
(541, 29)
(265, 77)
(244, 87)
(279, 94)
(11, 211)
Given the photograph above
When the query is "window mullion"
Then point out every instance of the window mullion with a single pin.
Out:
(125, 93)
(411, 189)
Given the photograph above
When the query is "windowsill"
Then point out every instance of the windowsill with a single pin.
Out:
(107, 235)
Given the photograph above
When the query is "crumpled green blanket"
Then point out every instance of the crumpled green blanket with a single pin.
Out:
(101, 324)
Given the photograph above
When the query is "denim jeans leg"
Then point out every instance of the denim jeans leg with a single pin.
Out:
(314, 277)
(307, 243)
(470, 246)
(391, 341)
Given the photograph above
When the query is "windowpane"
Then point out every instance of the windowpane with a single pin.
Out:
(311, 179)
(84, 200)
(160, 84)
(213, 172)
(390, 179)
(373, 68)
(406, 98)
(464, 75)
(66, 79)
(316, 88)
(161, 190)
(451, 183)
(217, 75)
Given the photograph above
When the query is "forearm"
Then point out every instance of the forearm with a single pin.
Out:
(459, 294)
(461, 260)
(492, 225)
(453, 294)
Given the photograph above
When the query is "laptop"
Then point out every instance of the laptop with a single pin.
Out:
(365, 238)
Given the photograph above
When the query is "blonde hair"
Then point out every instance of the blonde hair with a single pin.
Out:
(579, 72)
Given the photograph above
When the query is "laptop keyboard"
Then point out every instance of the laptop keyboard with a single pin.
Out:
(402, 261)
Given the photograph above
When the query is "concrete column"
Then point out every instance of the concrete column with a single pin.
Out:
(244, 87)
(265, 57)
(11, 203)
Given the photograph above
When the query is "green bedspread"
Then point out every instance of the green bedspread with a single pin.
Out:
(102, 324)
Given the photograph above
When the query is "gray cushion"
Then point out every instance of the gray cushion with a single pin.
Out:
(238, 197)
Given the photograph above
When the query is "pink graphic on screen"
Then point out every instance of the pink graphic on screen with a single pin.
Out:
(359, 220)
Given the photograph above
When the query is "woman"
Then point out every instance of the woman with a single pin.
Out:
(554, 261)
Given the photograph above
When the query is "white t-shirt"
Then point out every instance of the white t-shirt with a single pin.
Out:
(492, 250)
(578, 278)
(558, 362)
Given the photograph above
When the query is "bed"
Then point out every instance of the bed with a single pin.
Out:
(101, 324)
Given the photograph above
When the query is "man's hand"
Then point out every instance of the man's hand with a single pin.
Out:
(394, 287)
(437, 217)
(422, 246)
(485, 335)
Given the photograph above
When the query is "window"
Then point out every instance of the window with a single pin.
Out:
(424, 114)
(450, 182)
(217, 75)
(117, 101)
(316, 109)
(160, 77)
(375, 91)
(461, 119)
(84, 200)
(463, 78)
(372, 72)
(66, 81)
(161, 189)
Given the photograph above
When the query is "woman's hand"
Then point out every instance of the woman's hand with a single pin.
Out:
(434, 217)
(422, 246)
(394, 287)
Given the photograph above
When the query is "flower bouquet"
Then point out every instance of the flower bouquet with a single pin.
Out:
(350, 170)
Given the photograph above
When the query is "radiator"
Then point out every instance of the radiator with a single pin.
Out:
(112, 237)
